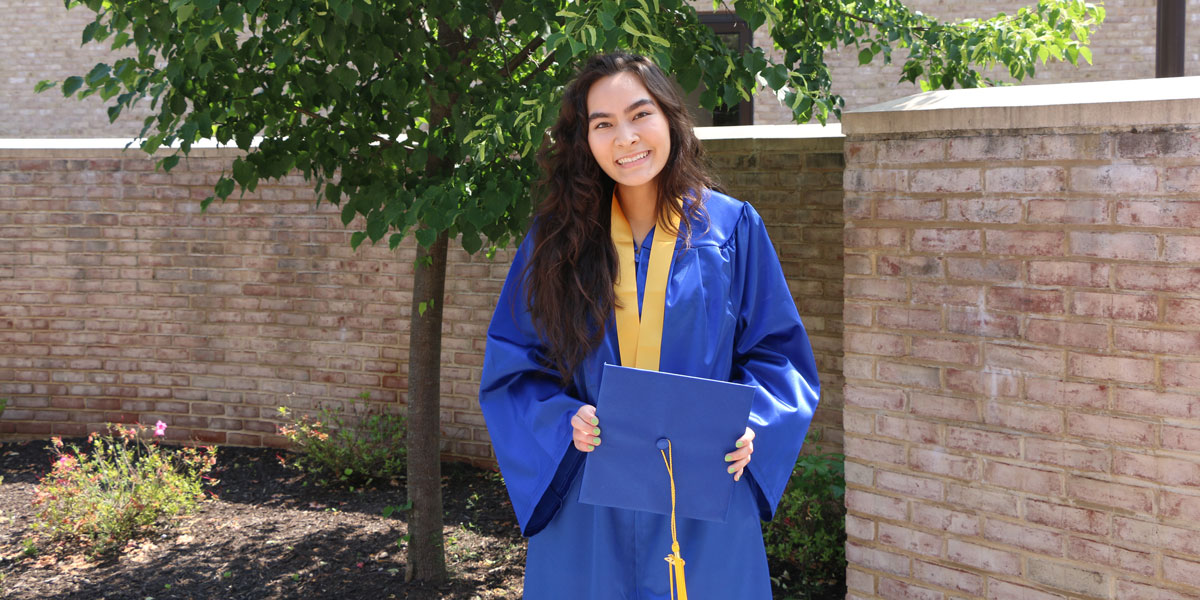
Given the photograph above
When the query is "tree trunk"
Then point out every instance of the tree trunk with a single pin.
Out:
(426, 551)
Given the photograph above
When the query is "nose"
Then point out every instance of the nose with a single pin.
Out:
(626, 134)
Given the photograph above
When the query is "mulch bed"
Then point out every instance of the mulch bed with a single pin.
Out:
(268, 535)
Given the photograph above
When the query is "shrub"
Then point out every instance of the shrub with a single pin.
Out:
(351, 451)
(121, 490)
(806, 542)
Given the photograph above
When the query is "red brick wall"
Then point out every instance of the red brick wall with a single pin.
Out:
(121, 301)
(1023, 363)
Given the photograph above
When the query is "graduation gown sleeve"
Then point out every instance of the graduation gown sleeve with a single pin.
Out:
(772, 352)
(527, 410)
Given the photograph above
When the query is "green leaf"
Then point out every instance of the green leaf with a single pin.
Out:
(44, 85)
(185, 12)
(89, 31)
(658, 40)
(422, 307)
(865, 55)
(98, 74)
(471, 242)
(426, 236)
(224, 187)
(606, 17)
(356, 239)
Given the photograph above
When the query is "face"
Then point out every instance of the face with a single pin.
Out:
(627, 131)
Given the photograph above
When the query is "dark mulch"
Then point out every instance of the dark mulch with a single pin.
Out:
(267, 535)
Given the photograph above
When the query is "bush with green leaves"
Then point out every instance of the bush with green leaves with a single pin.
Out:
(127, 486)
(806, 542)
(354, 448)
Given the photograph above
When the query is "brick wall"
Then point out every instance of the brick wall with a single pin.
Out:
(120, 301)
(39, 40)
(1022, 349)
(795, 183)
(1123, 48)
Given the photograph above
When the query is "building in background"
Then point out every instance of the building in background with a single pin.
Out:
(39, 40)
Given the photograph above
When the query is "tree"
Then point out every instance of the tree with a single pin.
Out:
(424, 116)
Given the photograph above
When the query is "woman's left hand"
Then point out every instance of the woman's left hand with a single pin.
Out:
(740, 457)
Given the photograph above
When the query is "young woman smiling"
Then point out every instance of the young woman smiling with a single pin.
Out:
(623, 151)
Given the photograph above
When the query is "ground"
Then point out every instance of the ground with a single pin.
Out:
(267, 535)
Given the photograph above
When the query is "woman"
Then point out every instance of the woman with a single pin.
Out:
(623, 146)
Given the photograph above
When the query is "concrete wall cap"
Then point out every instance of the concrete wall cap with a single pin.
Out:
(749, 132)
(1168, 101)
(101, 144)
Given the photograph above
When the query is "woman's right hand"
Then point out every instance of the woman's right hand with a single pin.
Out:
(586, 428)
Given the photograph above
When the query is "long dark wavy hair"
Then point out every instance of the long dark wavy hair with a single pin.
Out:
(573, 265)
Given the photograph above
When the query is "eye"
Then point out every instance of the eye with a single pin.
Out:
(601, 125)
(644, 113)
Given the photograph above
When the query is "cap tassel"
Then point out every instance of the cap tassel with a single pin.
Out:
(674, 560)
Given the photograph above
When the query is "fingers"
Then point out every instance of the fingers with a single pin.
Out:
(740, 457)
(585, 429)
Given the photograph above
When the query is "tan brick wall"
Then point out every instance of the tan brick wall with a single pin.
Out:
(40, 39)
(1022, 363)
(120, 301)
(796, 185)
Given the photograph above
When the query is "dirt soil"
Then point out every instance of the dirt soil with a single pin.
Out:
(267, 535)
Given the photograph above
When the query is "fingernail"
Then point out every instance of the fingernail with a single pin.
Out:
(731, 469)
(728, 457)
(740, 443)
(595, 421)
(595, 441)
(595, 431)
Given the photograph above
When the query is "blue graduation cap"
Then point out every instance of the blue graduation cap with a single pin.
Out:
(639, 411)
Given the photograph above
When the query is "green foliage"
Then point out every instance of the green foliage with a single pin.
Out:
(806, 542)
(362, 449)
(124, 488)
(425, 116)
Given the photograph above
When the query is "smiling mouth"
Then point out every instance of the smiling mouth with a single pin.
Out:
(633, 159)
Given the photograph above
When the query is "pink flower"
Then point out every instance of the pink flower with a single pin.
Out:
(160, 429)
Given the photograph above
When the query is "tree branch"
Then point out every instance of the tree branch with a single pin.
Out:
(545, 64)
(522, 56)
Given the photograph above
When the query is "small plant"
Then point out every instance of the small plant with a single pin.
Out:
(806, 542)
(121, 489)
(352, 451)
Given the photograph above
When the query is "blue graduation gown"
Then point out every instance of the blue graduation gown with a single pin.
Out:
(729, 316)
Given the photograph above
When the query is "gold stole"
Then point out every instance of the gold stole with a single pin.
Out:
(640, 338)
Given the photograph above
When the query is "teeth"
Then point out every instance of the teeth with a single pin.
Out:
(630, 159)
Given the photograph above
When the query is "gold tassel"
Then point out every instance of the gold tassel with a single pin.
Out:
(674, 560)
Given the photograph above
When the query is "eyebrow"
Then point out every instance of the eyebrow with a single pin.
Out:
(639, 103)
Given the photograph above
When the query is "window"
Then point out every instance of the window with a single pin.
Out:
(736, 34)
